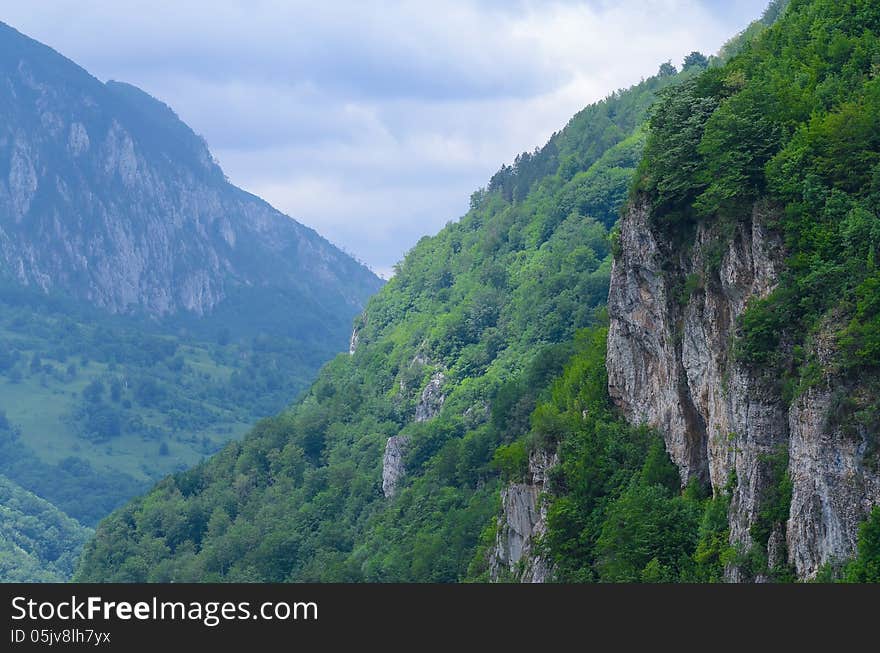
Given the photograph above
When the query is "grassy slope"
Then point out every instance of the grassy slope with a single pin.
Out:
(43, 405)
(190, 395)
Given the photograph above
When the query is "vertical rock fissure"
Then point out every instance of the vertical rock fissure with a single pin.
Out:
(695, 432)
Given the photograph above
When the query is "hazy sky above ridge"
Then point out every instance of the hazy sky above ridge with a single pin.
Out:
(374, 121)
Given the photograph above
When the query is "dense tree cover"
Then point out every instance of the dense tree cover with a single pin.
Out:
(734, 46)
(492, 303)
(794, 119)
(866, 566)
(37, 541)
(589, 135)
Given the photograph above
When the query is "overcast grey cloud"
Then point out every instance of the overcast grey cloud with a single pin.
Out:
(374, 121)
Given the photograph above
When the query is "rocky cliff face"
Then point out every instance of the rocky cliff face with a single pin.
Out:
(107, 196)
(673, 312)
(523, 520)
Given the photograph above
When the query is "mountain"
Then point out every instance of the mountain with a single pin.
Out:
(106, 196)
(495, 422)
(388, 468)
(150, 311)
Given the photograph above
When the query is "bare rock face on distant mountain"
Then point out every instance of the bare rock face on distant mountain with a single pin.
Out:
(106, 196)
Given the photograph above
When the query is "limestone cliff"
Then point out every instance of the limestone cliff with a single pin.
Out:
(674, 309)
(522, 521)
(428, 407)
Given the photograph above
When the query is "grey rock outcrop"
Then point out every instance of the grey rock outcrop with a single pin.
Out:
(432, 399)
(393, 469)
(670, 364)
(835, 478)
(354, 340)
(523, 520)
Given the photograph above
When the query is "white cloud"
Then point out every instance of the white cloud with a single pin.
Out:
(374, 121)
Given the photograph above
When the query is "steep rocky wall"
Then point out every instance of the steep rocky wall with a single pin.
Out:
(428, 407)
(432, 399)
(393, 467)
(673, 310)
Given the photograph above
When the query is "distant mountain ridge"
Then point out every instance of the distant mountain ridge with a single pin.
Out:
(107, 196)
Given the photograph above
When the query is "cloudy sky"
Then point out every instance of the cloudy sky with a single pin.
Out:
(374, 121)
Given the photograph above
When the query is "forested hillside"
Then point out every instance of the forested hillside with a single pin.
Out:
(37, 541)
(480, 382)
